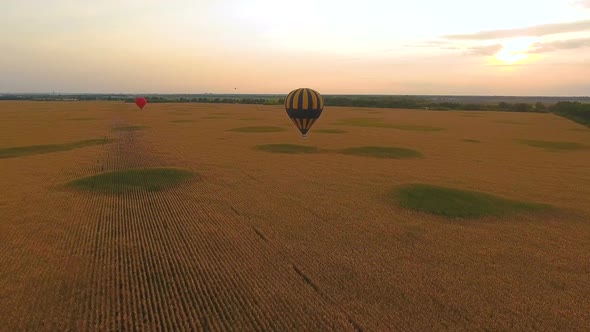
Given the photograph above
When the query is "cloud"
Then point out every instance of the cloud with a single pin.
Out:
(583, 3)
(485, 50)
(430, 43)
(571, 44)
(534, 31)
(438, 44)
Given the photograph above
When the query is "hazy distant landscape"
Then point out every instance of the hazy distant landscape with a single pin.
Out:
(331, 100)
(573, 108)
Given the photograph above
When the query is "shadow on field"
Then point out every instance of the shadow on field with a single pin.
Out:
(378, 123)
(287, 148)
(183, 121)
(330, 131)
(258, 129)
(457, 203)
(145, 179)
(554, 146)
(49, 148)
(129, 128)
(383, 152)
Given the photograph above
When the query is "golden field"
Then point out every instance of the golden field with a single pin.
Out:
(269, 241)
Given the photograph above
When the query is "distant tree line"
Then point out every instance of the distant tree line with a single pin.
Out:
(424, 103)
(363, 101)
(213, 100)
(575, 111)
(13, 97)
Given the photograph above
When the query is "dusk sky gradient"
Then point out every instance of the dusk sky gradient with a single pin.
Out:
(461, 47)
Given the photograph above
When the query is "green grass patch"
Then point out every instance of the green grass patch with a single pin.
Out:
(81, 119)
(129, 128)
(456, 203)
(553, 145)
(21, 151)
(258, 129)
(287, 148)
(385, 152)
(469, 140)
(145, 179)
(330, 131)
(378, 123)
(183, 121)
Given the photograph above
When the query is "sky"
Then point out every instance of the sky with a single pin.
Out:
(457, 47)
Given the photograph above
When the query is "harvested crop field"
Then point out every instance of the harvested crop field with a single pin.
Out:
(213, 232)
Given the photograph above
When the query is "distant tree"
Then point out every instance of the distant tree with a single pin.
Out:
(522, 107)
(539, 106)
(504, 106)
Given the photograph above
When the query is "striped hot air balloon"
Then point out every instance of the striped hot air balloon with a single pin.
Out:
(304, 106)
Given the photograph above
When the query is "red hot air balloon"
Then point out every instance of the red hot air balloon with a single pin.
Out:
(140, 102)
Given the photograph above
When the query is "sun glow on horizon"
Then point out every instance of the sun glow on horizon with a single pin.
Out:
(515, 50)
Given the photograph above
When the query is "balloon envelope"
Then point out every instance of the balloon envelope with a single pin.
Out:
(304, 106)
(140, 102)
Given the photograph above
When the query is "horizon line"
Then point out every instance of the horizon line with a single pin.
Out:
(280, 94)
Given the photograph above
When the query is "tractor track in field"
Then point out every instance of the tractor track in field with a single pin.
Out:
(178, 259)
(280, 253)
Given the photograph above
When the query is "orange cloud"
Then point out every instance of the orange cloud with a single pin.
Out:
(534, 31)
